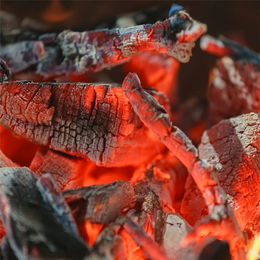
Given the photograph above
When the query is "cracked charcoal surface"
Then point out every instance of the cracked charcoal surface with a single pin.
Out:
(95, 122)
(233, 146)
(67, 171)
(235, 89)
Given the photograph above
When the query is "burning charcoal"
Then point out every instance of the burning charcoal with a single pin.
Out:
(56, 203)
(100, 203)
(71, 172)
(176, 228)
(236, 83)
(22, 55)
(32, 230)
(233, 146)
(67, 171)
(152, 251)
(161, 181)
(91, 121)
(221, 218)
(224, 47)
(151, 218)
(79, 52)
(154, 194)
(109, 243)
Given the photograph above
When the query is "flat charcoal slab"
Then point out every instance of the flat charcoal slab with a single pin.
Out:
(91, 121)
(233, 146)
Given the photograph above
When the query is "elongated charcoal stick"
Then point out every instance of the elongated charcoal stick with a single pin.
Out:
(72, 52)
(155, 117)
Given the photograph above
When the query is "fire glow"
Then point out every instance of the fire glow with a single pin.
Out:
(104, 164)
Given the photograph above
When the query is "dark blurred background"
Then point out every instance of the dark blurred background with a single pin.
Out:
(237, 20)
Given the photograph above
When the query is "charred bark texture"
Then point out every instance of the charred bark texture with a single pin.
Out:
(233, 146)
(235, 89)
(91, 121)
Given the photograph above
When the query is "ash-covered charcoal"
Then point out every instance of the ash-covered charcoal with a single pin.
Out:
(56, 202)
(22, 55)
(221, 219)
(233, 146)
(78, 52)
(175, 229)
(110, 244)
(32, 230)
(96, 122)
(161, 181)
(151, 249)
(151, 217)
(99, 203)
(235, 88)
(225, 47)
(155, 190)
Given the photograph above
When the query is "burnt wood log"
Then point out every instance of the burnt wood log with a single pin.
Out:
(96, 122)
(233, 146)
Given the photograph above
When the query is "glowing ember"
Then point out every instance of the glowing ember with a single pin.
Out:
(103, 167)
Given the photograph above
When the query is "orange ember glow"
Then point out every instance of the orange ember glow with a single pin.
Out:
(56, 13)
(93, 136)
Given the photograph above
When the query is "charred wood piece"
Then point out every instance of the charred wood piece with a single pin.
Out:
(150, 248)
(20, 56)
(5, 72)
(235, 88)
(78, 52)
(93, 121)
(233, 146)
(100, 203)
(30, 224)
(221, 218)
(224, 47)
(56, 202)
